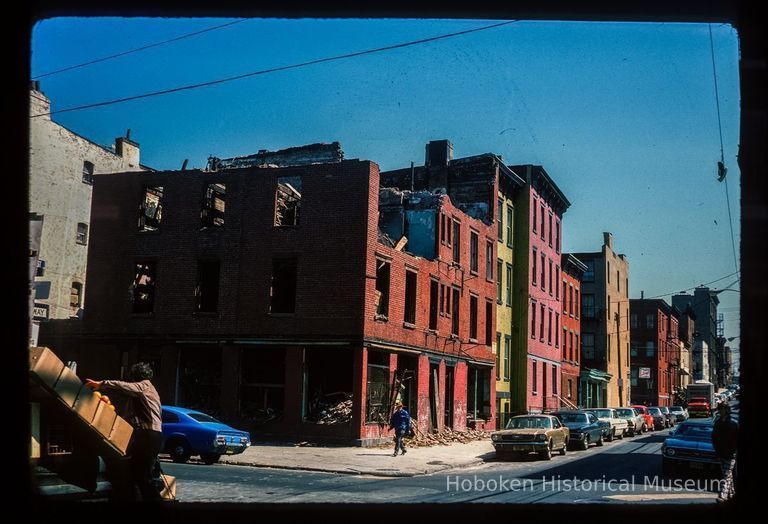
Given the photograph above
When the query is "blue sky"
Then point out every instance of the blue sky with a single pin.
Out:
(622, 115)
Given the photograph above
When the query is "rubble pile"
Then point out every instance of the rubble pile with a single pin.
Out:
(333, 409)
(445, 438)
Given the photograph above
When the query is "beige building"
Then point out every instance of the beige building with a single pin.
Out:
(62, 165)
(605, 365)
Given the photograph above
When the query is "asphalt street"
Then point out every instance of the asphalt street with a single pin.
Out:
(622, 471)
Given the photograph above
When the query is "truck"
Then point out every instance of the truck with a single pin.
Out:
(701, 398)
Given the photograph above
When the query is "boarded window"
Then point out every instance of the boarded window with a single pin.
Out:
(489, 261)
(207, 288)
(214, 200)
(288, 201)
(143, 288)
(473, 254)
(87, 172)
(151, 208)
(456, 242)
(283, 289)
(82, 234)
(410, 297)
(473, 317)
(382, 288)
(488, 323)
(76, 297)
(433, 292)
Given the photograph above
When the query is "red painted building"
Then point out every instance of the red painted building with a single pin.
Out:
(263, 295)
(654, 351)
(573, 271)
(539, 208)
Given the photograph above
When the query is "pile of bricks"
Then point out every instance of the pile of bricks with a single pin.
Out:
(445, 438)
(338, 412)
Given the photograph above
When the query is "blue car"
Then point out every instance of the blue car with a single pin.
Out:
(187, 432)
(585, 428)
(689, 446)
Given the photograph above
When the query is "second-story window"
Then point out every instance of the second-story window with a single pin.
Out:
(382, 288)
(283, 289)
(473, 317)
(456, 242)
(143, 288)
(489, 261)
(288, 201)
(410, 297)
(207, 288)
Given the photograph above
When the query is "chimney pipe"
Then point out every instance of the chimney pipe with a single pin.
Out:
(184, 165)
(642, 295)
(128, 134)
(36, 85)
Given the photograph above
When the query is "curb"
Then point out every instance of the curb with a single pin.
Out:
(397, 474)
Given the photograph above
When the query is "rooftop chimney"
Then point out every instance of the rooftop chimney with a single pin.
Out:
(608, 239)
(439, 153)
(39, 104)
(128, 149)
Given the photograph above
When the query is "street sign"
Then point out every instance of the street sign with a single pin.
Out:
(645, 373)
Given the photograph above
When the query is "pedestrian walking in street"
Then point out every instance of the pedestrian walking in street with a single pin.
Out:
(724, 440)
(400, 421)
(143, 413)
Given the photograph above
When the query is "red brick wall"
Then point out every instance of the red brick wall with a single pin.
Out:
(570, 320)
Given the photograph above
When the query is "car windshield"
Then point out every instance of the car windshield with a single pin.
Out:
(201, 417)
(676, 409)
(654, 411)
(602, 413)
(703, 431)
(625, 412)
(579, 418)
(529, 423)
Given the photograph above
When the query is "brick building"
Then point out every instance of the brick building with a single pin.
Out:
(605, 330)
(573, 271)
(655, 351)
(537, 325)
(266, 295)
(486, 189)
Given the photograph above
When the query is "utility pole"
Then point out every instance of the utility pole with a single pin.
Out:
(618, 352)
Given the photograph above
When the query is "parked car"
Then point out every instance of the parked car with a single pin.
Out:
(649, 425)
(668, 418)
(659, 419)
(680, 413)
(618, 426)
(635, 421)
(584, 428)
(689, 446)
(526, 433)
(187, 432)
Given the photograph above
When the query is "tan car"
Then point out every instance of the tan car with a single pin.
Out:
(542, 434)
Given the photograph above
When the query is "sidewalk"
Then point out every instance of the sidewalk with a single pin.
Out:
(376, 461)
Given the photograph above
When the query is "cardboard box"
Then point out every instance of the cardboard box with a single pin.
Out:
(104, 419)
(169, 487)
(86, 404)
(68, 386)
(121, 433)
(45, 365)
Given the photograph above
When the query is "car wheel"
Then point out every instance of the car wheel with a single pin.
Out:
(644, 428)
(547, 453)
(623, 433)
(563, 451)
(210, 458)
(585, 442)
(632, 432)
(179, 451)
(600, 440)
(609, 438)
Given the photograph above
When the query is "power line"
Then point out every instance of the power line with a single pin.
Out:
(722, 154)
(136, 50)
(276, 69)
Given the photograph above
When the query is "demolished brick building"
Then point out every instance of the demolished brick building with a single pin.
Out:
(293, 300)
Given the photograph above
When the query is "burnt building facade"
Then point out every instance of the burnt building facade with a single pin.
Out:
(298, 301)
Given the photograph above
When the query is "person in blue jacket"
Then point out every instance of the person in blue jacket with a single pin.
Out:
(400, 421)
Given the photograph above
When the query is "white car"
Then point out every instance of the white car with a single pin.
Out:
(619, 426)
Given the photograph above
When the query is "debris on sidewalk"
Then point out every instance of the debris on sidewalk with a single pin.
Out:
(447, 437)
(333, 408)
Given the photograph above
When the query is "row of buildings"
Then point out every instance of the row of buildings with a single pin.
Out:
(297, 292)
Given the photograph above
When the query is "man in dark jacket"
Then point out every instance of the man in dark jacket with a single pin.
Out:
(400, 421)
(143, 413)
(724, 440)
